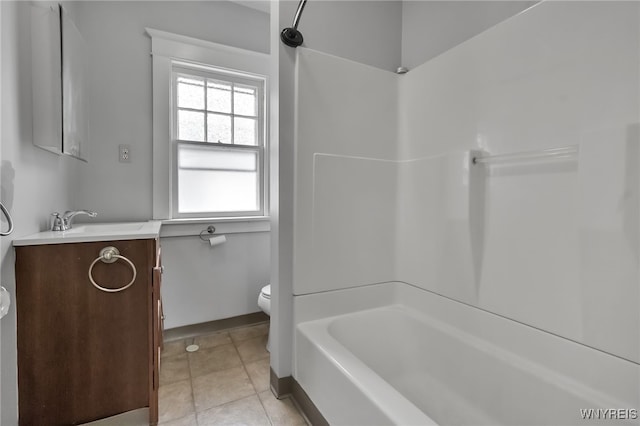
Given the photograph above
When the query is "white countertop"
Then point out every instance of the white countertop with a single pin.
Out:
(88, 232)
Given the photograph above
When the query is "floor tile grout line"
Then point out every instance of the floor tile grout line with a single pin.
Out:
(244, 367)
(177, 418)
(265, 410)
(216, 371)
(266, 413)
(209, 349)
(164, 362)
(248, 338)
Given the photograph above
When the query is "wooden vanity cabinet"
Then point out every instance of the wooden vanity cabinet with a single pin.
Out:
(85, 354)
(157, 326)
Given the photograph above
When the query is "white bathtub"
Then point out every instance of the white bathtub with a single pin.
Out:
(394, 354)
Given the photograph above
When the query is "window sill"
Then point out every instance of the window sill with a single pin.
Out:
(223, 225)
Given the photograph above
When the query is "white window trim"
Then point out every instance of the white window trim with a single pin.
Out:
(259, 149)
(194, 227)
(167, 48)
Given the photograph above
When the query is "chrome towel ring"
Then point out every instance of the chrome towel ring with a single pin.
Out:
(9, 221)
(111, 255)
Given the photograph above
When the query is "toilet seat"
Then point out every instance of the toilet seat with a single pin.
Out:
(264, 300)
(266, 291)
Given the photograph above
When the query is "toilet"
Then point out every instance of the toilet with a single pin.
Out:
(264, 302)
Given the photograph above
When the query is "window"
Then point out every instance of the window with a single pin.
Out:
(210, 147)
(218, 132)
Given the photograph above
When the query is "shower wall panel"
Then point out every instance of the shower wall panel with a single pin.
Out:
(353, 222)
(550, 244)
(436, 244)
(345, 186)
(385, 188)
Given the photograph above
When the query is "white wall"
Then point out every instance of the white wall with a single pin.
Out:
(35, 182)
(120, 88)
(203, 283)
(389, 34)
(430, 28)
(200, 283)
(369, 32)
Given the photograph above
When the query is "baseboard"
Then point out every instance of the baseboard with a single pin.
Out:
(307, 406)
(194, 330)
(280, 386)
(283, 387)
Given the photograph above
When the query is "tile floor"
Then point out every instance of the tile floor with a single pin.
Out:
(226, 382)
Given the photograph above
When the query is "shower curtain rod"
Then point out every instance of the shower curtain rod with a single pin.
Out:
(291, 36)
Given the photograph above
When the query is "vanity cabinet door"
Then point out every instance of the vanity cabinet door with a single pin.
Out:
(83, 354)
(157, 342)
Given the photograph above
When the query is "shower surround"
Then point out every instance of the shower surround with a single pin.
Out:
(386, 191)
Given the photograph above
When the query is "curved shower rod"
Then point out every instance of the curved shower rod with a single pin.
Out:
(291, 36)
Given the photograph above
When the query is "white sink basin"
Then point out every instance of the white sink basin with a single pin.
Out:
(106, 228)
(88, 232)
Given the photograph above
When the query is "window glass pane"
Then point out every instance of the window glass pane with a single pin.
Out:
(191, 126)
(217, 191)
(218, 96)
(213, 179)
(244, 100)
(190, 92)
(210, 157)
(244, 131)
(219, 128)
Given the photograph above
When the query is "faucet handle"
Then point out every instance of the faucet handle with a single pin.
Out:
(56, 222)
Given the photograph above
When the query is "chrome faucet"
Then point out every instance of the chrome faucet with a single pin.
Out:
(64, 222)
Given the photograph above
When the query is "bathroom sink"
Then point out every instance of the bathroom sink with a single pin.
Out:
(87, 232)
(101, 228)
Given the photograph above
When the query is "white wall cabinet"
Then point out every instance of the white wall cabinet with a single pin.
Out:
(59, 88)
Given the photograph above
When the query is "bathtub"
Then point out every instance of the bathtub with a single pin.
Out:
(394, 354)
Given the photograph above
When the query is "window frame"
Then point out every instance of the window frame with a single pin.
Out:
(167, 48)
(180, 67)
